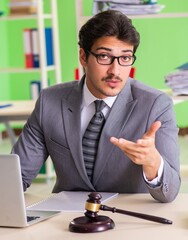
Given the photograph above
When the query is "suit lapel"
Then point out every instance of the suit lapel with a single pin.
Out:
(71, 112)
(116, 121)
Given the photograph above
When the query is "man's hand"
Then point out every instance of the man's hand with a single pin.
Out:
(143, 151)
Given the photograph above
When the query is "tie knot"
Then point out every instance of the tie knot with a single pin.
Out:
(99, 105)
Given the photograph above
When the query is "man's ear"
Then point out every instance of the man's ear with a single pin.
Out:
(82, 57)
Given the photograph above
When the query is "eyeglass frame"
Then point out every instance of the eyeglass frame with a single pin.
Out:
(112, 59)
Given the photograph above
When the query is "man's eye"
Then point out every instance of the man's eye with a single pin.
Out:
(126, 58)
(103, 56)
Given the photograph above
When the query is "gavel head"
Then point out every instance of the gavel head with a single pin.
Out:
(93, 204)
(92, 222)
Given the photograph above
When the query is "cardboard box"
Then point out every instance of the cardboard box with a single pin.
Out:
(21, 7)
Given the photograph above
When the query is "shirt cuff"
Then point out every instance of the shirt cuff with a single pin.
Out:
(156, 181)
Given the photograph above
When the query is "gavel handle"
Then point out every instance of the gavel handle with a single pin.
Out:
(135, 214)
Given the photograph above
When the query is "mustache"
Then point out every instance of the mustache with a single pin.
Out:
(110, 77)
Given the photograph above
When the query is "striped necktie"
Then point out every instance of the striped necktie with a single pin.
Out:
(91, 138)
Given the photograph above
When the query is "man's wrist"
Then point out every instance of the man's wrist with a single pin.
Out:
(156, 181)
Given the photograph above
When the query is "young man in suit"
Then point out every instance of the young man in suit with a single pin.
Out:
(138, 147)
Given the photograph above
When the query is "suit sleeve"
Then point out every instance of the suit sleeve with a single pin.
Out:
(31, 146)
(167, 144)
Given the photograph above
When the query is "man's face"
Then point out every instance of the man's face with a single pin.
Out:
(106, 80)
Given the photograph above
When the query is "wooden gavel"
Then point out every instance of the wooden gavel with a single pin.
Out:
(92, 222)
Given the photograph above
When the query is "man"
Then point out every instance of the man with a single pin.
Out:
(138, 147)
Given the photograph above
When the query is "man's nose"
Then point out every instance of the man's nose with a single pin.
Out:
(114, 68)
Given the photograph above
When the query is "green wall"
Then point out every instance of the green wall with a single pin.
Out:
(162, 49)
(4, 78)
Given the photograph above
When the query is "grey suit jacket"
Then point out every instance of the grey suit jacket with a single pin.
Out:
(54, 128)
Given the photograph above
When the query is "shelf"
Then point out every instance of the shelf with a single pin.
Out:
(24, 17)
(145, 16)
(160, 15)
(24, 70)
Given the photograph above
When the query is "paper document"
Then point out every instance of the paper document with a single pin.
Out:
(178, 81)
(127, 7)
(68, 201)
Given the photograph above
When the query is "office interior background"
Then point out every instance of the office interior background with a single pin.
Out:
(163, 48)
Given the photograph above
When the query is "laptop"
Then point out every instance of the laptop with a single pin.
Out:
(13, 212)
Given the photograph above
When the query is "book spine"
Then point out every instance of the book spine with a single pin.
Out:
(35, 47)
(27, 48)
(132, 72)
(35, 89)
(49, 46)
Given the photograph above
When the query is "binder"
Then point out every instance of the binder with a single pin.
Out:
(132, 72)
(31, 42)
(27, 48)
(35, 47)
(35, 89)
(49, 46)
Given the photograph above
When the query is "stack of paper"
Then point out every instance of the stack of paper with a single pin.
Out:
(128, 7)
(178, 80)
(67, 201)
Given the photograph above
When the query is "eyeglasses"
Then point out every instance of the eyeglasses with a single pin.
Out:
(107, 59)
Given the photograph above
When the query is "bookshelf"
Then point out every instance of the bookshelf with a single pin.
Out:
(40, 17)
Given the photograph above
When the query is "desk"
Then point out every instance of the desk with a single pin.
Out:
(128, 228)
(18, 111)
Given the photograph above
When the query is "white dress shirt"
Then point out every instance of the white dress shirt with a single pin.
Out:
(88, 107)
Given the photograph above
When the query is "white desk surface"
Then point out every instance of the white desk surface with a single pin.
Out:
(19, 110)
(126, 227)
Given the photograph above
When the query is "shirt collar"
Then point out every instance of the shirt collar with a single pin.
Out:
(88, 98)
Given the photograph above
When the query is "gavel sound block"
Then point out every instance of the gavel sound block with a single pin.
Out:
(92, 222)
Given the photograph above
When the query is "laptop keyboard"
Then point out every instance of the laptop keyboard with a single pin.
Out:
(31, 218)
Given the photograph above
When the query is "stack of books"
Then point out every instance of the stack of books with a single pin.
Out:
(128, 7)
(19, 7)
(31, 47)
(178, 80)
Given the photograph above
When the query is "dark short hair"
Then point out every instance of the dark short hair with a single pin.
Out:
(108, 23)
